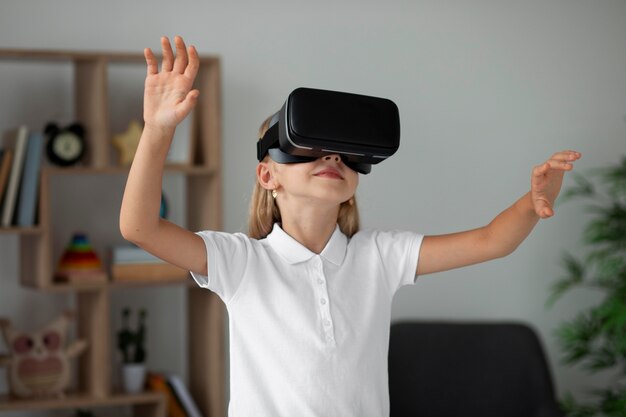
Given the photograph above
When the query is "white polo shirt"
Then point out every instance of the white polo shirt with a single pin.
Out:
(309, 334)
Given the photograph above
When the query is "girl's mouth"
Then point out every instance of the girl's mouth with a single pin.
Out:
(329, 173)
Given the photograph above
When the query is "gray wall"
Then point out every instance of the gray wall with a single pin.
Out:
(486, 89)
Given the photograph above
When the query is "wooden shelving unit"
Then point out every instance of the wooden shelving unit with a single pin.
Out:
(205, 318)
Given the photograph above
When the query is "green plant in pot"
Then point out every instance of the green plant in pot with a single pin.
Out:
(131, 344)
(596, 338)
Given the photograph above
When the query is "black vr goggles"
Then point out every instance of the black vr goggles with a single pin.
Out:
(313, 123)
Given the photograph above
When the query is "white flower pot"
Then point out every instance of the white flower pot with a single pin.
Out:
(133, 377)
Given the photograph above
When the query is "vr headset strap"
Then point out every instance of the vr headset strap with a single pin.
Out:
(269, 139)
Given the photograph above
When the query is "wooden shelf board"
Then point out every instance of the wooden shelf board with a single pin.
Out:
(139, 284)
(77, 400)
(183, 169)
(59, 55)
(35, 230)
(62, 287)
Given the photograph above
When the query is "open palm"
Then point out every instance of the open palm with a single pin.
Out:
(168, 94)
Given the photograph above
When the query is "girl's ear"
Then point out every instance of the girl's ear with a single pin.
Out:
(265, 176)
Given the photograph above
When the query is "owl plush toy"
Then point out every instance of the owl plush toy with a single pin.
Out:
(38, 363)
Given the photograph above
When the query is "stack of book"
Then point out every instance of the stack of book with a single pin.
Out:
(132, 264)
(21, 154)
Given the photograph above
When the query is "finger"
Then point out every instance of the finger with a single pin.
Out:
(567, 155)
(153, 67)
(185, 106)
(546, 213)
(541, 170)
(181, 55)
(168, 54)
(543, 209)
(194, 63)
(552, 164)
(560, 164)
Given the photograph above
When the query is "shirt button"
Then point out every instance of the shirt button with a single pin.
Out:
(326, 323)
(320, 281)
(322, 301)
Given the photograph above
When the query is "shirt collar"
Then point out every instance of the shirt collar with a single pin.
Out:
(294, 252)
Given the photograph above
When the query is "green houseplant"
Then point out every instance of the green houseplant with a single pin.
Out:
(596, 338)
(131, 345)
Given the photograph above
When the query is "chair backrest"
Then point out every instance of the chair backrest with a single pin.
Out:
(441, 369)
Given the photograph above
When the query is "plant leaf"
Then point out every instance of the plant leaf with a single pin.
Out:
(576, 337)
(576, 273)
(574, 409)
(608, 227)
(616, 179)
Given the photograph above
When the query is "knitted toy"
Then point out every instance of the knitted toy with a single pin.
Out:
(38, 362)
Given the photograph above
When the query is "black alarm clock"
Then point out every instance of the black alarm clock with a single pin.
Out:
(66, 146)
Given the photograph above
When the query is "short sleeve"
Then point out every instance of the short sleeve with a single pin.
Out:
(399, 254)
(227, 255)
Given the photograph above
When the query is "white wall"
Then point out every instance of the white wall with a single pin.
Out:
(486, 89)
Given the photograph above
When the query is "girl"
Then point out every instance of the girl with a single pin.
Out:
(308, 294)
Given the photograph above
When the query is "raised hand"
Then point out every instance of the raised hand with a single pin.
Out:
(168, 94)
(547, 179)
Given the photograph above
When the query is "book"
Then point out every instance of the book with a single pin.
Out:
(158, 382)
(5, 167)
(27, 202)
(183, 396)
(15, 139)
(130, 254)
(130, 263)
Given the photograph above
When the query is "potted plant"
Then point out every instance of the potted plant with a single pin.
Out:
(132, 347)
(596, 337)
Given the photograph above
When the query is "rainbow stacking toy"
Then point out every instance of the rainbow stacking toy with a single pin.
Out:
(80, 262)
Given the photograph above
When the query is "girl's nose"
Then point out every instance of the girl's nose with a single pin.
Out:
(333, 157)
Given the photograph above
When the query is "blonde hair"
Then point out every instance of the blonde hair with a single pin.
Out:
(264, 211)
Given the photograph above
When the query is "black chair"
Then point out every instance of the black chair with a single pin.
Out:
(439, 369)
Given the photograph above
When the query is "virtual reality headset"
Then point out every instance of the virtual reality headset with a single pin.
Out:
(313, 123)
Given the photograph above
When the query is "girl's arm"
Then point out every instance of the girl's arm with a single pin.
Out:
(505, 233)
(168, 99)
